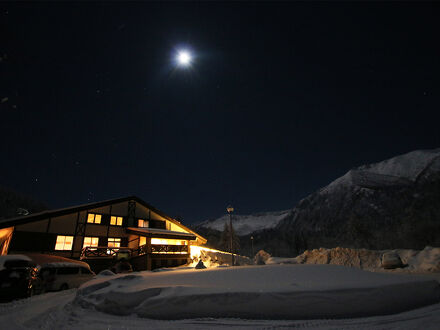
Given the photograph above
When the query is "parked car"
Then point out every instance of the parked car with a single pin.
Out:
(18, 277)
(63, 276)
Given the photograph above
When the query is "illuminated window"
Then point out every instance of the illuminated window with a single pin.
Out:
(94, 218)
(90, 241)
(142, 240)
(164, 241)
(64, 243)
(116, 221)
(143, 223)
(114, 242)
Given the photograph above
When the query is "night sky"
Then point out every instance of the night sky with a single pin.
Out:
(281, 99)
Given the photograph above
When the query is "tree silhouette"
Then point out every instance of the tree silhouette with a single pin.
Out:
(225, 240)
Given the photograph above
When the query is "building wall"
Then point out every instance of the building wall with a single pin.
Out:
(41, 236)
(65, 224)
(36, 226)
(144, 213)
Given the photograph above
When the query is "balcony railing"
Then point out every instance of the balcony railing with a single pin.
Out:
(179, 249)
(102, 252)
(109, 252)
(167, 249)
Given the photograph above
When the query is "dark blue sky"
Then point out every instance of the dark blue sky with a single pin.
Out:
(282, 98)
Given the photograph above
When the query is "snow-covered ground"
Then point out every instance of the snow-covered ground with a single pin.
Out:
(246, 224)
(256, 297)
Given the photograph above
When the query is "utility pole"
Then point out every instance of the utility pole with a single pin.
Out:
(230, 209)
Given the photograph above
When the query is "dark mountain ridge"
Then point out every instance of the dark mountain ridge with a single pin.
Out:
(386, 205)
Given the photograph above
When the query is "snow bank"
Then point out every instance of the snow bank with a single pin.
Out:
(215, 258)
(258, 292)
(427, 260)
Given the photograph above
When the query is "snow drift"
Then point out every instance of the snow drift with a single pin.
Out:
(424, 261)
(258, 292)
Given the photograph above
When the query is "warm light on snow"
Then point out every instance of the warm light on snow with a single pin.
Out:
(196, 251)
(212, 257)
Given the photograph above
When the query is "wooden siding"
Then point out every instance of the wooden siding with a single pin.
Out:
(116, 231)
(101, 210)
(37, 226)
(64, 224)
(95, 230)
(33, 241)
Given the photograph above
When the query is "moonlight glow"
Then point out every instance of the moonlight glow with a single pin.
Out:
(184, 58)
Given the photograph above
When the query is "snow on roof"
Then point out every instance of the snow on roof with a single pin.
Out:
(50, 260)
(63, 264)
(9, 257)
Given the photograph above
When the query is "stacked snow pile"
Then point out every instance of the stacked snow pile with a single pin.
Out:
(261, 257)
(246, 224)
(258, 292)
(215, 258)
(427, 260)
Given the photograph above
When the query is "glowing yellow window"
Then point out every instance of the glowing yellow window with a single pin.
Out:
(90, 241)
(116, 221)
(143, 223)
(64, 243)
(94, 218)
(142, 240)
(114, 242)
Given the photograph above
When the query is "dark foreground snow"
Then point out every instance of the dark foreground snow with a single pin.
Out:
(242, 297)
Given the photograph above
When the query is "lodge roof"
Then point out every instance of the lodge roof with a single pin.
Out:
(84, 207)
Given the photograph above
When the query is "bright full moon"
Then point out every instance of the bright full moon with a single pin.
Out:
(184, 58)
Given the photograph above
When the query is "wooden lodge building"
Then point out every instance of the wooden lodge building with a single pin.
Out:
(99, 232)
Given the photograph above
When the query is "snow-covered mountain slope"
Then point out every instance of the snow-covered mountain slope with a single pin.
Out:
(391, 204)
(246, 224)
(402, 170)
(386, 205)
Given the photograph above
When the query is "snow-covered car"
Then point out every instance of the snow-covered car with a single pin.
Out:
(18, 277)
(63, 276)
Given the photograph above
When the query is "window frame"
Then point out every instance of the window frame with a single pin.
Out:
(91, 242)
(116, 218)
(64, 243)
(116, 240)
(94, 220)
(144, 221)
